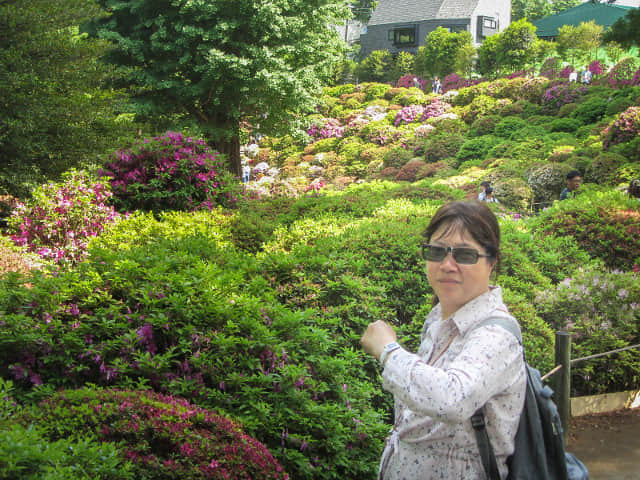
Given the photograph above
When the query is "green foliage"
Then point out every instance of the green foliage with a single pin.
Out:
(530, 9)
(376, 67)
(591, 110)
(164, 437)
(579, 44)
(564, 125)
(506, 127)
(57, 112)
(441, 50)
(476, 148)
(25, 452)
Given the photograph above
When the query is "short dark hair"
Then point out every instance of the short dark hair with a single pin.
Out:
(485, 184)
(573, 174)
(488, 190)
(474, 218)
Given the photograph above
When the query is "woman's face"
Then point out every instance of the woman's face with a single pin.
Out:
(456, 284)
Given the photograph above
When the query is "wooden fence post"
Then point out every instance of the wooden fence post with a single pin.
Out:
(562, 381)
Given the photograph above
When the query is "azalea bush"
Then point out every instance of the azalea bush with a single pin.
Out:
(169, 312)
(59, 219)
(624, 128)
(561, 94)
(162, 437)
(601, 311)
(606, 226)
(169, 172)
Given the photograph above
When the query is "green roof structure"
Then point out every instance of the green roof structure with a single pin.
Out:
(602, 13)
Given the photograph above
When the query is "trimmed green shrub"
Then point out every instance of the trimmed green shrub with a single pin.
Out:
(506, 127)
(25, 452)
(564, 125)
(476, 148)
(603, 168)
(591, 110)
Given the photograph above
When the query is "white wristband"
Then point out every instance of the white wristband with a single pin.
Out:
(388, 348)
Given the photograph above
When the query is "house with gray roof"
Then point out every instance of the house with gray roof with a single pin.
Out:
(403, 25)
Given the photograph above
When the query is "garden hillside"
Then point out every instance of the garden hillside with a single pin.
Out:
(162, 312)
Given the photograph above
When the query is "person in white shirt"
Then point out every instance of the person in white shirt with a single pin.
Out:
(460, 365)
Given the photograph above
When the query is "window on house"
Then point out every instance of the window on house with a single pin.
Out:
(403, 36)
(489, 23)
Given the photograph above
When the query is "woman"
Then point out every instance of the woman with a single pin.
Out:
(460, 365)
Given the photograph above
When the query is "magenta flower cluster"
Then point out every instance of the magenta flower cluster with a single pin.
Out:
(454, 81)
(163, 436)
(626, 127)
(623, 73)
(435, 109)
(168, 172)
(408, 114)
(562, 94)
(331, 129)
(58, 221)
(595, 68)
(407, 81)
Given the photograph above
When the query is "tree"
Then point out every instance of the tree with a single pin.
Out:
(224, 62)
(362, 9)
(530, 9)
(558, 6)
(515, 44)
(579, 44)
(626, 30)
(441, 50)
(55, 111)
(487, 63)
(402, 65)
(376, 67)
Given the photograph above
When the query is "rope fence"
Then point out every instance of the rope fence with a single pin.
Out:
(563, 381)
(590, 357)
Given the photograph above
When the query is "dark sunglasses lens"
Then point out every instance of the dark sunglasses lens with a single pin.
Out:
(467, 256)
(433, 254)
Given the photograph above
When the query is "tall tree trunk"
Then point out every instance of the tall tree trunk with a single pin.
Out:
(231, 148)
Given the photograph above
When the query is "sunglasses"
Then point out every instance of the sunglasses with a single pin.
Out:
(462, 255)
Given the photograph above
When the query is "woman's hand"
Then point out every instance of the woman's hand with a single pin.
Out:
(377, 335)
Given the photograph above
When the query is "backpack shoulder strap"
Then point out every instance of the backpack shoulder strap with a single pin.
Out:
(505, 321)
(485, 448)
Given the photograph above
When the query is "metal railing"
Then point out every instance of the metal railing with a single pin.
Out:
(562, 384)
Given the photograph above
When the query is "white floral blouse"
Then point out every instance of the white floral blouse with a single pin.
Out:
(437, 393)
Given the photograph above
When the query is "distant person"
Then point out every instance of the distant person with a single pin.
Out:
(586, 76)
(416, 83)
(246, 173)
(634, 188)
(436, 85)
(573, 76)
(574, 180)
(483, 191)
(490, 195)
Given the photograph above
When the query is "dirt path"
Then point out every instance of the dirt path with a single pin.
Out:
(608, 444)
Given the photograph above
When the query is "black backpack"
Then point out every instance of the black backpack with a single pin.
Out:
(539, 445)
